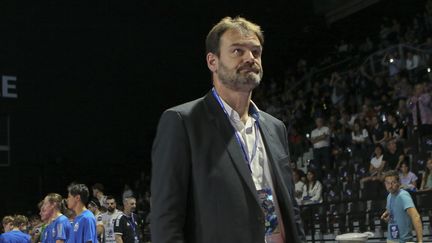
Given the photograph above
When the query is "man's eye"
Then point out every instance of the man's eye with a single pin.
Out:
(256, 53)
(237, 51)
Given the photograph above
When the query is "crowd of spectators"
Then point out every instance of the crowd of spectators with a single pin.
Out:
(349, 125)
(356, 123)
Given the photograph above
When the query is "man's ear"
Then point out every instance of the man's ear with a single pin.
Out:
(212, 61)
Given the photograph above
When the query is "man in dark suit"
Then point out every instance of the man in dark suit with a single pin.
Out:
(220, 166)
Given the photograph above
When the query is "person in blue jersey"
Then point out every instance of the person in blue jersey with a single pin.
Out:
(16, 235)
(401, 214)
(84, 224)
(59, 228)
(7, 223)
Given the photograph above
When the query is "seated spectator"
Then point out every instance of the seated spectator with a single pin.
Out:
(312, 192)
(395, 129)
(377, 165)
(359, 135)
(393, 156)
(299, 187)
(426, 184)
(379, 134)
(359, 139)
(407, 178)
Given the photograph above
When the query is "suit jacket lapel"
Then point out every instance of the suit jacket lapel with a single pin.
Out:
(268, 139)
(234, 150)
(283, 194)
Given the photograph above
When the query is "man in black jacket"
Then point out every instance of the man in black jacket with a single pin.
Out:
(220, 165)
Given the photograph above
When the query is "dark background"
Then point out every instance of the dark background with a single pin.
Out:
(94, 77)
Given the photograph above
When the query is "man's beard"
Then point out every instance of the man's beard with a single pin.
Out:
(111, 210)
(238, 79)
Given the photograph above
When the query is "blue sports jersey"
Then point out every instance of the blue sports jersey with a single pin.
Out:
(59, 229)
(84, 228)
(15, 236)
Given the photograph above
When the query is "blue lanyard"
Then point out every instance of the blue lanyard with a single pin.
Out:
(133, 224)
(238, 135)
(392, 199)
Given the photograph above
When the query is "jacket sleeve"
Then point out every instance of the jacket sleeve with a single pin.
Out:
(170, 179)
(296, 208)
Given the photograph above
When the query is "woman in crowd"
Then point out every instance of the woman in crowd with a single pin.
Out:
(312, 192)
(426, 184)
(407, 178)
(377, 165)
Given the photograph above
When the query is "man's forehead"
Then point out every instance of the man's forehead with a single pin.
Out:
(238, 37)
(390, 179)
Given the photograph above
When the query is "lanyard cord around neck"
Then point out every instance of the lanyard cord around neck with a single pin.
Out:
(238, 135)
(133, 223)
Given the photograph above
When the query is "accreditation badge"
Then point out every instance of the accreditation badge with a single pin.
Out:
(394, 231)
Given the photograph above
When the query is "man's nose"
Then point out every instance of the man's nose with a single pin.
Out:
(249, 56)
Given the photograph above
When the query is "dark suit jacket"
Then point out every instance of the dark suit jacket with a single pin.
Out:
(202, 190)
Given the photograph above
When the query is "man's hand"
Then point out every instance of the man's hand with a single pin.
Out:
(385, 216)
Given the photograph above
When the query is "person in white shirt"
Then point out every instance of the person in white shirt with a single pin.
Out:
(109, 218)
(377, 165)
(299, 187)
(312, 192)
(320, 138)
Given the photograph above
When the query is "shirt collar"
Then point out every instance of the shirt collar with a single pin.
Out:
(234, 116)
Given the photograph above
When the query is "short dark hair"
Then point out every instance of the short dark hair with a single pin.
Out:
(81, 190)
(110, 198)
(404, 162)
(228, 23)
(99, 187)
(94, 202)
